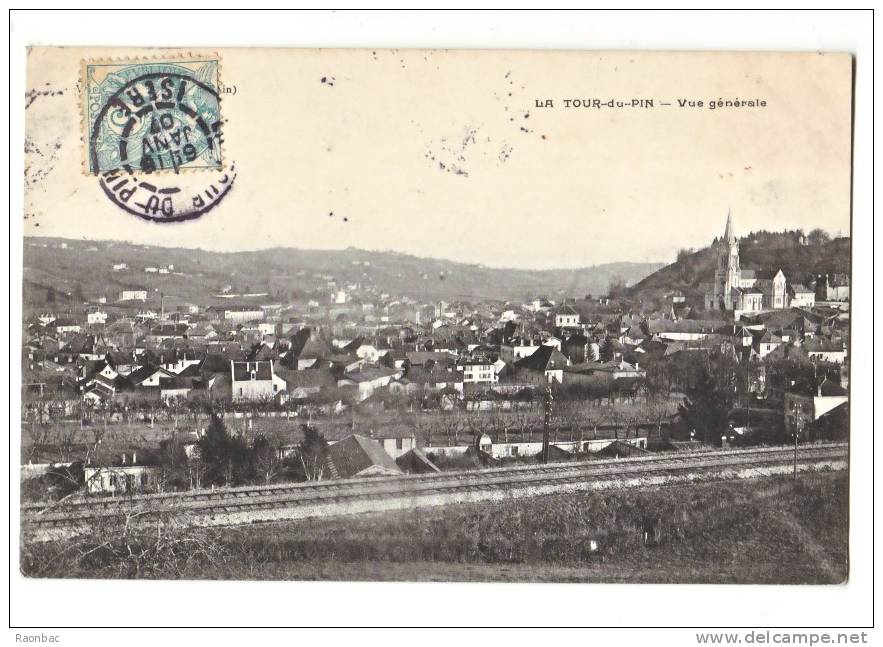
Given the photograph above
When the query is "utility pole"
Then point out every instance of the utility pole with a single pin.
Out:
(796, 436)
(547, 419)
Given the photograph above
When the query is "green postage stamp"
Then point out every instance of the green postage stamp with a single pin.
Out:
(152, 115)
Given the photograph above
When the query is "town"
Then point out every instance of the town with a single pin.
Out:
(139, 391)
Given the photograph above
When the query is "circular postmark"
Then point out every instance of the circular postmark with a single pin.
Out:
(169, 198)
(160, 120)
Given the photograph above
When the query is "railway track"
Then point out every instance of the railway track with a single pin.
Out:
(299, 500)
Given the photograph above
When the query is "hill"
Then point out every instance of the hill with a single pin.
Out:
(71, 271)
(762, 251)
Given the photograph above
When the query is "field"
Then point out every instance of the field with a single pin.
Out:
(772, 530)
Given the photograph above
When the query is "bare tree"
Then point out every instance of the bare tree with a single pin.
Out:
(132, 544)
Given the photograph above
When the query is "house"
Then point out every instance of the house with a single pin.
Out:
(566, 317)
(478, 371)
(545, 366)
(133, 295)
(127, 478)
(540, 304)
(356, 456)
(801, 296)
(577, 349)
(179, 360)
(148, 376)
(430, 358)
(436, 378)
(620, 370)
(518, 349)
(254, 381)
(303, 384)
(621, 449)
(826, 350)
(833, 287)
(163, 331)
(96, 317)
(65, 326)
(122, 362)
(237, 314)
(416, 462)
(767, 343)
(395, 442)
(802, 410)
(174, 388)
(369, 379)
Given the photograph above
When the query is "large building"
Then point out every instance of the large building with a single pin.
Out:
(742, 290)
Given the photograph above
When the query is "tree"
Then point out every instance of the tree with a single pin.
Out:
(709, 396)
(312, 454)
(176, 472)
(794, 373)
(818, 237)
(266, 459)
(605, 350)
(616, 287)
(225, 457)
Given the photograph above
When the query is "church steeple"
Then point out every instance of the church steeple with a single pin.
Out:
(729, 233)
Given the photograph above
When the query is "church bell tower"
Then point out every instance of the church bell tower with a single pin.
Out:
(727, 272)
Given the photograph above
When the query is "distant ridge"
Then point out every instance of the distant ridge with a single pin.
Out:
(84, 268)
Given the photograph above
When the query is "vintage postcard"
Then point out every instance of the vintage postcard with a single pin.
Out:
(436, 315)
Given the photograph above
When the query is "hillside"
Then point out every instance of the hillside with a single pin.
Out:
(761, 251)
(70, 271)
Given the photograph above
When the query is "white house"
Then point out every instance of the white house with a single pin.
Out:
(123, 479)
(133, 295)
(97, 317)
(566, 317)
(254, 381)
(243, 314)
(479, 372)
(801, 296)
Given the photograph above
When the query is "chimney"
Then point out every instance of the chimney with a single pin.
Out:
(134, 457)
(819, 389)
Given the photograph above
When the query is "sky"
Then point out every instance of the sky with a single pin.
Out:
(446, 154)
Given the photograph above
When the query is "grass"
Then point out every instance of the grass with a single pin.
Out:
(771, 530)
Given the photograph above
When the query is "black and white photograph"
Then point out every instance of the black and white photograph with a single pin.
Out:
(521, 316)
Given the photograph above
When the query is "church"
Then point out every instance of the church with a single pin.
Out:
(741, 290)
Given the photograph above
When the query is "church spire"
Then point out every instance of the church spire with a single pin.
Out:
(729, 234)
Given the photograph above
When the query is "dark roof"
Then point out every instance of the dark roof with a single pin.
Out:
(311, 377)
(192, 370)
(215, 363)
(566, 309)
(368, 373)
(620, 448)
(355, 454)
(175, 383)
(143, 372)
(415, 461)
(242, 371)
(829, 388)
(543, 359)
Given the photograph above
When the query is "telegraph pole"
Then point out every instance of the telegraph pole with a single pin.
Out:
(796, 436)
(547, 419)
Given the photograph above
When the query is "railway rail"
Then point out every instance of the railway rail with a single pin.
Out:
(299, 500)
